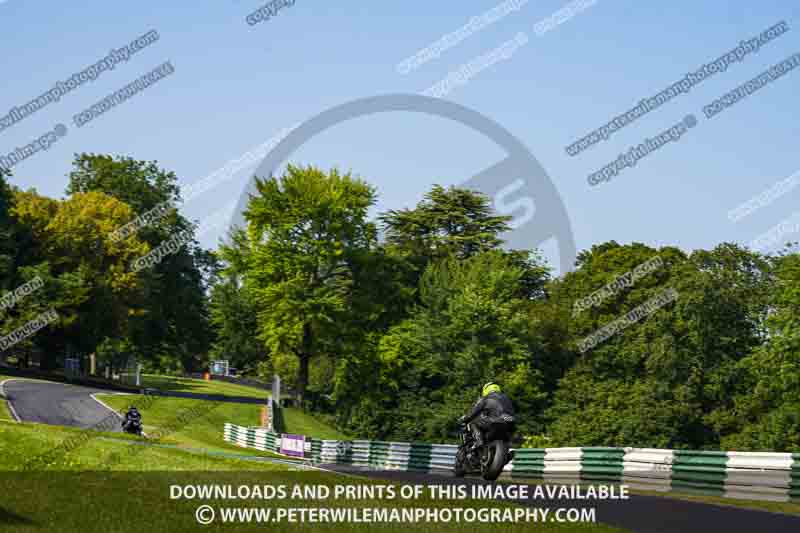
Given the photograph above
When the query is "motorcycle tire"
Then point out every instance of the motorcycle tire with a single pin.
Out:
(498, 452)
(459, 469)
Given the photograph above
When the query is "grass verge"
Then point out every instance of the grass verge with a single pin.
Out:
(86, 502)
(299, 423)
(206, 431)
(85, 492)
(20, 443)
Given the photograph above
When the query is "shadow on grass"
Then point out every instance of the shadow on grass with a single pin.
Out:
(168, 383)
(8, 518)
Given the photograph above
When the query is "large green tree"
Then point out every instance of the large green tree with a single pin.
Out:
(173, 331)
(305, 230)
(447, 222)
(455, 222)
(86, 274)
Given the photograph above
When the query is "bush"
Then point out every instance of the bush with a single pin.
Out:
(536, 441)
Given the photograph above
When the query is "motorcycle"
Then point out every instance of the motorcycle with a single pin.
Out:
(487, 460)
(132, 426)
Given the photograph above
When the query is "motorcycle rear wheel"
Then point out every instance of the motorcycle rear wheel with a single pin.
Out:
(459, 469)
(493, 467)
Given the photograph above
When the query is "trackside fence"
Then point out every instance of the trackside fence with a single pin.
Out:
(741, 475)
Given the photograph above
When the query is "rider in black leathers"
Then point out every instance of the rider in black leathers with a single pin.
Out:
(130, 417)
(492, 416)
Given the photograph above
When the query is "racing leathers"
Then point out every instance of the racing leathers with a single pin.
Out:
(492, 417)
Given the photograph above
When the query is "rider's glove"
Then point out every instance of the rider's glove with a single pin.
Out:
(462, 421)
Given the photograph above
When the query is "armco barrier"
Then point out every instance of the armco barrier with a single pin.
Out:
(742, 475)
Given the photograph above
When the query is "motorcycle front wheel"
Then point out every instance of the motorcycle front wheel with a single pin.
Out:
(493, 463)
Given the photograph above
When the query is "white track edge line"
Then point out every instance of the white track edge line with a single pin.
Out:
(101, 402)
(8, 402)
(104, 404)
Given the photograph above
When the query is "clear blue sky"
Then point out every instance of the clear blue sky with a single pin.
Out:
(236, 85)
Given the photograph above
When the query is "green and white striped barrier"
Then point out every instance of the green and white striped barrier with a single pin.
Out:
(255, 438)
(568, 465)
(412, 457)
(267, 441)
(741, 475)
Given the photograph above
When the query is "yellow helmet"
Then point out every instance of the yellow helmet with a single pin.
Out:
(490, 388)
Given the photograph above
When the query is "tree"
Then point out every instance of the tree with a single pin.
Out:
(141, 184)
(471, 326)
(10, 241)
(766, 411)
(87, 274)
(455, 225)
(661, 381)
(453, 221)
(233, 317)
(459, 223)
(380, 299)
(175, 323)
(7, 234)
(305, 231)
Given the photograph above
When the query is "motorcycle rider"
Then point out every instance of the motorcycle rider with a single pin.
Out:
(132, 417)
(491, 416)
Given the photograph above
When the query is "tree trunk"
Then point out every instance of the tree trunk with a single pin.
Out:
(305, 358)
(302, 380)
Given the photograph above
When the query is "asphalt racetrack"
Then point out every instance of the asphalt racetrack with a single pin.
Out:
(641, 514)
(56, 404)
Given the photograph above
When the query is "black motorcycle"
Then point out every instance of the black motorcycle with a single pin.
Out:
(487, 460)
(132, 426)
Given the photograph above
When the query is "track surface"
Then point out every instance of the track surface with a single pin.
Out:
(641, 514)
(55, 403)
